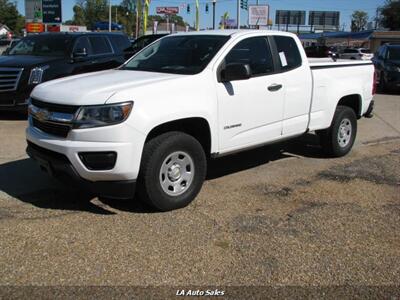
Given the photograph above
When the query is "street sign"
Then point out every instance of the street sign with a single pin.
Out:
(33, 11)
(324, 18)
(51, 11)
(34, 27)
(290, 17)
(258, 15)
(167, 10)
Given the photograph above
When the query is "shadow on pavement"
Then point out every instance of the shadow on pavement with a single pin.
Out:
(23, 179)
(306, 145)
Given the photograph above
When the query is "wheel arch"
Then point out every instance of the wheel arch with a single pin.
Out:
(198, 127)
(354, 101)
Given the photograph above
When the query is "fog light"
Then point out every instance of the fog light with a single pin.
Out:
(98, 160)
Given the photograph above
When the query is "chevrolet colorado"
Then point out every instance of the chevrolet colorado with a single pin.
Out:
(153, 122)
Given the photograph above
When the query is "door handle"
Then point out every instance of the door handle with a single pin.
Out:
(95, 61)
(274, 87)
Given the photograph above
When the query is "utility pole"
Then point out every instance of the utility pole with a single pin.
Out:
(109, 17)
(238, 14)
(214, 2)
(116, 14)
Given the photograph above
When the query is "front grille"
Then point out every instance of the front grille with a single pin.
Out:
(9, 78)
(71, 109)
(51, 128)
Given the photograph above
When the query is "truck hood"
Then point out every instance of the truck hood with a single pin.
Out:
(25, 61)
(96, 88)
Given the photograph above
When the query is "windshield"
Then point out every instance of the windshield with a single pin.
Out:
(42, 45)
(394, 53)
(187, 54)
(366, 51)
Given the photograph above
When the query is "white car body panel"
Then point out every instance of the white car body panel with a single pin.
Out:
(307, 101)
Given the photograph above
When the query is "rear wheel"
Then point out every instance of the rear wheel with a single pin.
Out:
(338, 139)
(382, 83)
(172, 172)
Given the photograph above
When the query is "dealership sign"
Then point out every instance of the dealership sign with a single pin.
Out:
(168, 10)
(51, 11)
(43, 11)
(258, 15)
(33, 11)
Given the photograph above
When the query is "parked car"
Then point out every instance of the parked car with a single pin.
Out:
(11, 45)
(154, 121)
(47, 56)
(106, 26)
(321, 51)
(387, 63)
(357, 54)
(144, 41)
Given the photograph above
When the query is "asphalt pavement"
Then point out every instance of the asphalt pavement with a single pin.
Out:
(278, 216)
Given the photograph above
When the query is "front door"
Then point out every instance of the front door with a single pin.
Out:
(250, 111)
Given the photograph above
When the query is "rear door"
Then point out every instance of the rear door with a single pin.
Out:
(103, 54)
(297, 80)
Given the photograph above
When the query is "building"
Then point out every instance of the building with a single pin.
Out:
(371, 39)
(4, 30)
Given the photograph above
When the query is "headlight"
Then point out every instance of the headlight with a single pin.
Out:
(37, 75)
(102, 115)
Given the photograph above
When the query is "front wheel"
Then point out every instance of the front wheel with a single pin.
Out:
(338, 139)
(172, 172)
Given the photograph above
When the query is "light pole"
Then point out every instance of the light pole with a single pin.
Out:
(109, 17)
(238, 14)
(214, 2)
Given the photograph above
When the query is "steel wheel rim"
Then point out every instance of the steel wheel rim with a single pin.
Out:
(344, 133)
(176, 173)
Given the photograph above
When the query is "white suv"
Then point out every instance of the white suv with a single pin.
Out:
(357, 54)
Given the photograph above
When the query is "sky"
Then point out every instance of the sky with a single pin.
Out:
(346, 8)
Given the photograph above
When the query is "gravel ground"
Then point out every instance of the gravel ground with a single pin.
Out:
(278, 216)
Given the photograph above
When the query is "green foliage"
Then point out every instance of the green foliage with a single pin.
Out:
(390, 15)
(359, 20)
(9, 16)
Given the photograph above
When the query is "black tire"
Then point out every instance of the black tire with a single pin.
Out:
(330, 139)
(155, 153)
(382, 83)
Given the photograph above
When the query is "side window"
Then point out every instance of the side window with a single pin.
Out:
(255, 52)
(83, 43)
(120, 42)
(288, 52)
(100, 45)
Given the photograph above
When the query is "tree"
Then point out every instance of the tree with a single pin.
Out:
(79, 16)
(9, 16)
(88, 12)
(359, 20)
(390, 15)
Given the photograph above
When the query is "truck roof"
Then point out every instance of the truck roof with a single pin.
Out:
(235, 32)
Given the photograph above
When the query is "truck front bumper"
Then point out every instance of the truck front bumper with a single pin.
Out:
(60, 167)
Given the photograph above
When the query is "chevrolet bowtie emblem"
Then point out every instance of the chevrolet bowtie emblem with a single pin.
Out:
(43, 115)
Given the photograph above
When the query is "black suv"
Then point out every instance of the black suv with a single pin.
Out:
(387, 63)
(47, 56)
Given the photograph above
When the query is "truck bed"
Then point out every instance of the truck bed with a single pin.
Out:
(328, 62)
(332, 80)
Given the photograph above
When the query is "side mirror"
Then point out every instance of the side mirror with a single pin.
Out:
(5, 52)
(235, 71)
(79, 53)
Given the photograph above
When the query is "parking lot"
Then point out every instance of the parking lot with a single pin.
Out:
(279, 215)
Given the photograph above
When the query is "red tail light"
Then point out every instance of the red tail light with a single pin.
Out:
(375, 81)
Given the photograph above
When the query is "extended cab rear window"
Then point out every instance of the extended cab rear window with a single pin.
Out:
(288, 51)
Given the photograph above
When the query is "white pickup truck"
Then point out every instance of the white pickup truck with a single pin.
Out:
(152, 124)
